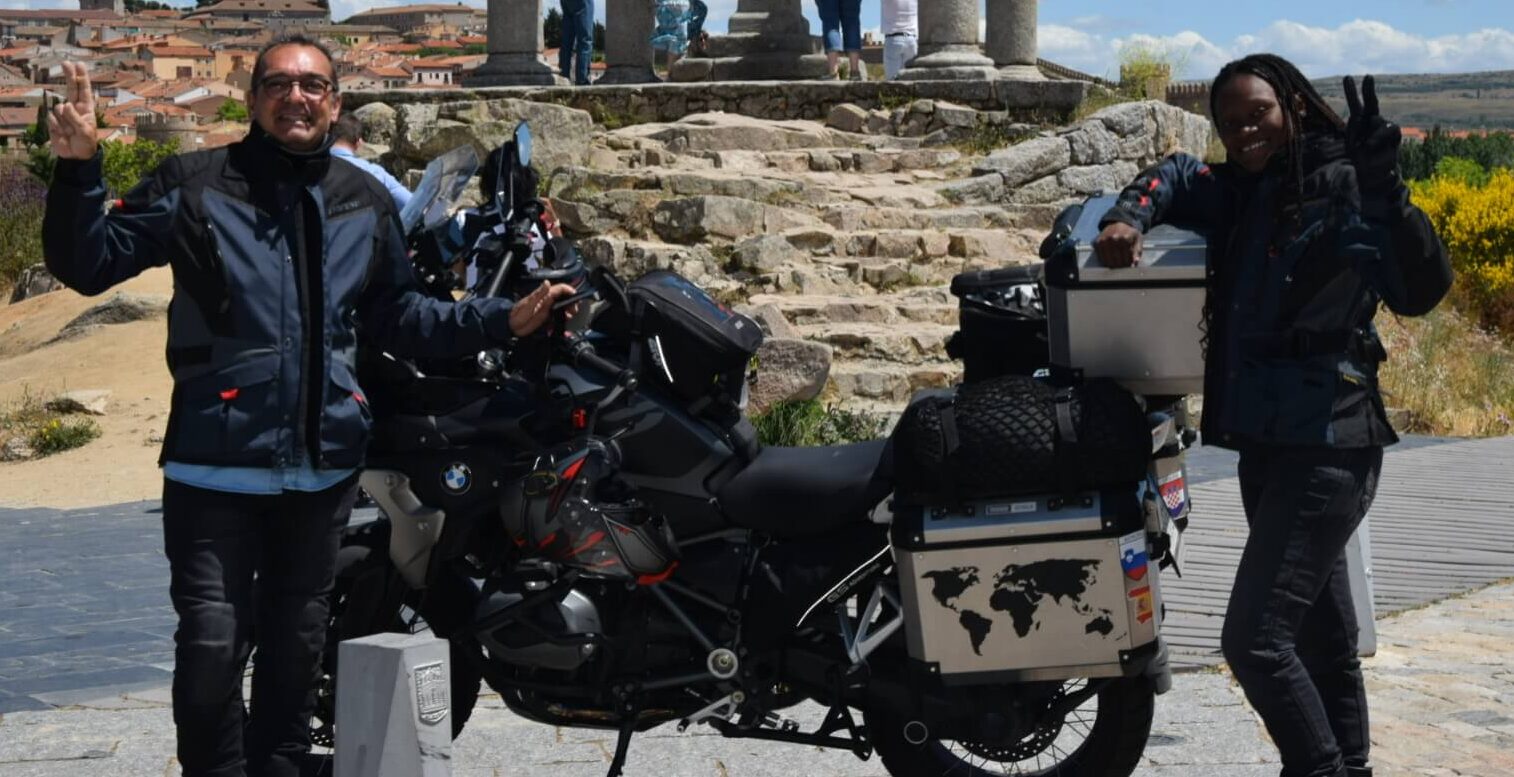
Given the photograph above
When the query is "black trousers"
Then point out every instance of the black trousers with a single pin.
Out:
(1290, 631)
(244, 565)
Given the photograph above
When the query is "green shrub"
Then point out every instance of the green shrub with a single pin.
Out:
(125, 164)
(62, 434)
(810, 423)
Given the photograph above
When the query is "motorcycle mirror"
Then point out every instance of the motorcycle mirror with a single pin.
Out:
(523, 144)
(504, 184)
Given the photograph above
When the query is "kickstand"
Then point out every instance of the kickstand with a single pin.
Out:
(622, 745)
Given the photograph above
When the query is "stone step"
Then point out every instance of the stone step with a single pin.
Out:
(871, 383)
(930, 305)
(856, 218)
(995, 246)
(914, 343)
(832, 160)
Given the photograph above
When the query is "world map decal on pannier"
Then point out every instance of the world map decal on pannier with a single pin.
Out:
(1015, 435)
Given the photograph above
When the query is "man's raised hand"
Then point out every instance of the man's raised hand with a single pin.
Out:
(71, 125)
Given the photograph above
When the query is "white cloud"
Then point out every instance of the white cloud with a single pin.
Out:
(39, 5)
(1360, 46)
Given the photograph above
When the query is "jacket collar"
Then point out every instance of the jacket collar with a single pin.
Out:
(258, 156)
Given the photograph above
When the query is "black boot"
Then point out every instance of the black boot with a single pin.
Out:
(1358, 771)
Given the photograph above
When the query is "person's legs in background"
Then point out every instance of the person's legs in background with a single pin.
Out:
(585, 44)
(830, 31)
(568, 44)
(851, 37)
(698, 11)
(898, 50)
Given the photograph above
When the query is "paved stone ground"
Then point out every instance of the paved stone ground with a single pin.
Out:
(1440, 689)
(85, 654)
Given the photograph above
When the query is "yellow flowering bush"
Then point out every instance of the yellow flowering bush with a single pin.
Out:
(1477, 225)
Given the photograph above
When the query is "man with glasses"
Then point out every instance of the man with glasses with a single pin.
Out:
(282, 261)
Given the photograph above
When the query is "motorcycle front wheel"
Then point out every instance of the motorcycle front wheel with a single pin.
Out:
(1103, 737)
(369, 597)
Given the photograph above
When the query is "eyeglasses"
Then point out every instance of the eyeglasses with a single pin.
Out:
(278, 87)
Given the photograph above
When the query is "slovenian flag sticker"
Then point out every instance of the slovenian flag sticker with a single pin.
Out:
(1133, 558)
(1174, 494)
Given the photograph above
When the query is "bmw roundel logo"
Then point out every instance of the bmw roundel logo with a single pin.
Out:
(456, 478)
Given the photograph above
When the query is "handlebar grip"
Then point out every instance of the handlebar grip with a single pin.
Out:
(584, 356)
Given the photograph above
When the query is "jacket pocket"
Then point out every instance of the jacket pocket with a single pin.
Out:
(230, 416)
(345, 420)
(1287, 402)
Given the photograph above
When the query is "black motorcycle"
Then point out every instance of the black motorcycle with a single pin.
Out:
(591, 523)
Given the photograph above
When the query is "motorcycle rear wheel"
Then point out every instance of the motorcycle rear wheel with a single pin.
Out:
(370, 598)
(1106, 741)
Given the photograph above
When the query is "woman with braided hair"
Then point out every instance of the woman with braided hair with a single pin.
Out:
(1309, 228)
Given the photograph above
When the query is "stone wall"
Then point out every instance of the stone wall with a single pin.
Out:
(616, 106)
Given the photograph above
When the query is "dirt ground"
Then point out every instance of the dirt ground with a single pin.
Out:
(127, 359)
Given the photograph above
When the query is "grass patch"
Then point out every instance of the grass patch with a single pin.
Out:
(810, 423)
(1097, 100)
(1453, 378)
(44, 431)
(986, 138)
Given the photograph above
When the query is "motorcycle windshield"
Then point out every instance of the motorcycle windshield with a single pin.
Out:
(444, 180)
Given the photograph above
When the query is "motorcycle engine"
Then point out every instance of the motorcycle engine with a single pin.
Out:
(539, 633)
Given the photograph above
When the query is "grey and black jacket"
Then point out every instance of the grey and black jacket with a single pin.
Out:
(1294, 282)
(281, 262)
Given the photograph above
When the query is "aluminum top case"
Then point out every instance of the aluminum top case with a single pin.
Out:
(1140, 326)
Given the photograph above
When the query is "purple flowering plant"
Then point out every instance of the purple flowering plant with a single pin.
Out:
(22, 201)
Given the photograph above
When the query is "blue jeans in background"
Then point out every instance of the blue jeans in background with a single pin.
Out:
(697, 13)
(577, 38)
(841, 24)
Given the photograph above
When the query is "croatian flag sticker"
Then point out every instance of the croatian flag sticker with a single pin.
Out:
(1174, 494)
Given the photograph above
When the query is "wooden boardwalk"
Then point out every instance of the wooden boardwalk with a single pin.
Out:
(1443, 523)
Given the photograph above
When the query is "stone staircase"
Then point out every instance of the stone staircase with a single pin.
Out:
(849, 239)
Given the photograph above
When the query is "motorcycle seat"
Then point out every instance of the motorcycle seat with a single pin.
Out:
(798, 491)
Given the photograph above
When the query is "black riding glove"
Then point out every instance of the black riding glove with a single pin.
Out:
(1372, 143)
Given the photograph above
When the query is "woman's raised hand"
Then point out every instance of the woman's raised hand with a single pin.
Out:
(71, 125)
(1119, 245)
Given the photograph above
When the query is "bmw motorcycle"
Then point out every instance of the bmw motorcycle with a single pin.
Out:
(591, 523)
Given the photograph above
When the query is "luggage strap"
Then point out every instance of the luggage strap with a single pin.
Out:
(1067, 442)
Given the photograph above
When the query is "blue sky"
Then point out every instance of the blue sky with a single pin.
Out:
(1323, 37)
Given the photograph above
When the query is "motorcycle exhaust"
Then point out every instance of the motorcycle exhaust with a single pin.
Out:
(916, 732)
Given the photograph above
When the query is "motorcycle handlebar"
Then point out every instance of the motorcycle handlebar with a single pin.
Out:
(583, 355)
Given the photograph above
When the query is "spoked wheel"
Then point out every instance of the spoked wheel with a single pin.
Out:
(1102, 737)
(370, 598)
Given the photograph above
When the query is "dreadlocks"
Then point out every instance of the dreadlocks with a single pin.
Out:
(1303, 108)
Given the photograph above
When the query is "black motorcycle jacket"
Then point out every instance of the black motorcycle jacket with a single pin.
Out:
(1294, 282)
(281, 262)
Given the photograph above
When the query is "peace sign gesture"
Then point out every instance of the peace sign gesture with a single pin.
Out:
(1371, 141)
(71, 125)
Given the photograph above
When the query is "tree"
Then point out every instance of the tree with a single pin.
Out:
(599, 37)
(125, 164)
(232, 110)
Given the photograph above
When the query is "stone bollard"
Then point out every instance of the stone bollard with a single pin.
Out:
(392, 706)
(1359, 570)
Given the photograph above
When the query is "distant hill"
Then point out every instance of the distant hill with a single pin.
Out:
(1453, 100)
